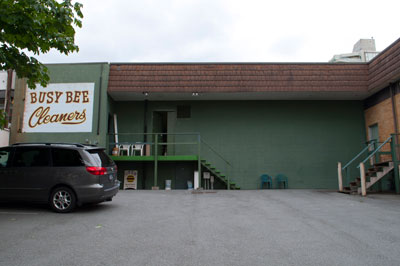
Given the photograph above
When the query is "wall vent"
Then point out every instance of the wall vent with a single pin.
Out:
(183, 111)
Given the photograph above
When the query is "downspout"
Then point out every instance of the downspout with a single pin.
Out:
(395, 154)
(99, 106)
(145, 140)
(145, 120)
(394, 109)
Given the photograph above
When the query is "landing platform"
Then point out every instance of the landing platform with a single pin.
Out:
(171, 158)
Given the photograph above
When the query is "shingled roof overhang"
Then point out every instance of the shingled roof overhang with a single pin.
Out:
(254, 81)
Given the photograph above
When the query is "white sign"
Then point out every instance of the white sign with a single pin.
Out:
(60, 107)
(130, 179)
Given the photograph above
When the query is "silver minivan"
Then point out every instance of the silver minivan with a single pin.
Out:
(63, 174)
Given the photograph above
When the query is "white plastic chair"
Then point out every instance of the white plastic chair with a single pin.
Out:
(125, 147)
(137, 147)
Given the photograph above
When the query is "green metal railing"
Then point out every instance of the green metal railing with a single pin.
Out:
(377, 158)
(347, 167)
(218, 161)
(171, 144)
(395, 149)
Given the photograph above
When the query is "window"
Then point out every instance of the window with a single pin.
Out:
(31, 157)
(101, 158)
(66, 157)
(4, 157)
(183, 111)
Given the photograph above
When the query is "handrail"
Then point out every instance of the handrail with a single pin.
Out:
(375, 151)
(185, 141)
(358, 155)
(219, 155)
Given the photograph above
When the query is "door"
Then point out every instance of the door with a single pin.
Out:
(373, 133)
(163, 122)
(159, 122)
(32, 175)
(6, 174)
(183, 174)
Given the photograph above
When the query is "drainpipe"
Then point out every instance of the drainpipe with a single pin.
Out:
(145, 140)
(99, 108)
(394, 109)
(396, 140)
(145, 120)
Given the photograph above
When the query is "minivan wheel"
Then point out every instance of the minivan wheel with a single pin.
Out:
(62, 199)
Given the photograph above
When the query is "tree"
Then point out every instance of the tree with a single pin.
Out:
(36, 26)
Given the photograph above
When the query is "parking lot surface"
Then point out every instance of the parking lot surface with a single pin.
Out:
(268, 227)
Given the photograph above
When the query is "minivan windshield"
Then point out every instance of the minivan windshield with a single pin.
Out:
(101, 158)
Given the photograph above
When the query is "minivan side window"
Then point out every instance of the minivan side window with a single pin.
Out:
(5, 157)
(31, 157)
(101, 158)
(66, 157)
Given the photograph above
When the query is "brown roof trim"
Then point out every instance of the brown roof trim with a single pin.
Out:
(214, 77)
(237, 63)
(381, 54)
(385, 68)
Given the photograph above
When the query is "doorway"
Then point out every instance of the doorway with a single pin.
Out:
(373, 133)
(163, 122)
(183, 173)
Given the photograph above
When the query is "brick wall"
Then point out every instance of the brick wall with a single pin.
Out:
(382, 114)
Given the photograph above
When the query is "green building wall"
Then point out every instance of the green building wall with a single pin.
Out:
(68, 73)
(301, 139)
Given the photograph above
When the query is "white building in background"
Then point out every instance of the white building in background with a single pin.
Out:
(3, 88)
(363, 51)
(5, 134)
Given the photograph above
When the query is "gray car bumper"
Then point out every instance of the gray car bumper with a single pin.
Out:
(97, 193)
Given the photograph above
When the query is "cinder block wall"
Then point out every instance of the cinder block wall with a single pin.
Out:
(302, 139)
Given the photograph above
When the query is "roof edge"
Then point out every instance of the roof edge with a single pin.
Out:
(384, 51)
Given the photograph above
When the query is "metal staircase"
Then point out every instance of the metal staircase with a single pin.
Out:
(217, 174)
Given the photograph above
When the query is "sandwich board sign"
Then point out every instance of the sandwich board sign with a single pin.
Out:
(130, 179)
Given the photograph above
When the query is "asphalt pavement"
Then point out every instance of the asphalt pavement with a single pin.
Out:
(268, 227)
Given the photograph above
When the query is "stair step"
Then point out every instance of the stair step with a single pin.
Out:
(373, 179)
(386, 163)
(369, 172)
(218, 174)
(349, 190)
(354, 184)
(376, 167)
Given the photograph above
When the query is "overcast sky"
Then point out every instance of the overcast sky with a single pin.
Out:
(228, 30)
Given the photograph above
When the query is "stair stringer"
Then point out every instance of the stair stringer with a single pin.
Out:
(379, 175)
